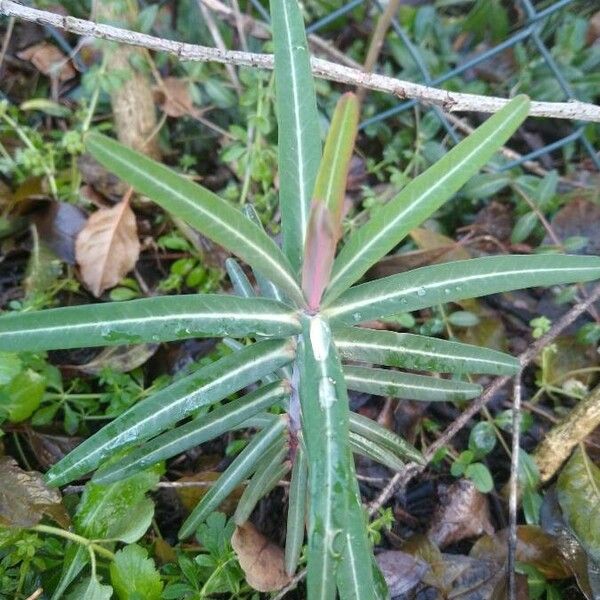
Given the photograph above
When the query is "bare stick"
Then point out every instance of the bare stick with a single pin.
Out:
(514, 478)
(449, 101)
(412, 470)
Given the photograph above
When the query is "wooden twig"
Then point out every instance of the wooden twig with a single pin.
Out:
(513, 486)
(411, 470)
(450, 101)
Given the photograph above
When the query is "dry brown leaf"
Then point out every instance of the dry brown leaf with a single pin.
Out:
(107, 248)
(463, 513)
(49, 60)
(261, 560)
(25, 498)
(174, 97)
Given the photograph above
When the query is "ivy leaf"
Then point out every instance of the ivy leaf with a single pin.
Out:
(578, 490)
(134, 575)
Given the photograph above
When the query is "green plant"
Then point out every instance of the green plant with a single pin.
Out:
(304, 327)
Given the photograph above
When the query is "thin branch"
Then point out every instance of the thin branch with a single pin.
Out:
(449, 101)
(411, 470)
(513, 487)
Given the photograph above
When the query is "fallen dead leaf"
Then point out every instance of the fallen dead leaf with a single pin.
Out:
(534, 547)
(463, 513)
(402, 572)
(49, 60)
(25, 498)
(578, 218)
(261, 560)
(117, 358)
(107, 248)
(174, 97)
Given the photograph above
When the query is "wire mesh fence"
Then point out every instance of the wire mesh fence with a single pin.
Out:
(529, 35)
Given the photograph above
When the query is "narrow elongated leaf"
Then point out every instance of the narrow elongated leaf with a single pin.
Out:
(199, 207)
(332, 483)
(383, 456)
(175, 402)
(319, 251)
(200, 430)
(420, 352)
(422, 197)
(268, 473)
(158, 319)
(267, 288)
(240, 282)
(296, 517)
(299, 143)
(243, 466)
(355, 579)
(330, 186)
(384, 437)
(385, 382)
(458, 280)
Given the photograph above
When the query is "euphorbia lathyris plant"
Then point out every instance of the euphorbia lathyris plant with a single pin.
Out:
(304, 323)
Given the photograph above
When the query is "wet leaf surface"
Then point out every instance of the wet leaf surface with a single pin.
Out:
(578, 491)
(402, 572)
(463, 512)
(261, 560)
(25, 498)
(534, 547)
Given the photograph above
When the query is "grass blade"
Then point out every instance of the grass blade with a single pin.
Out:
(296, 517)
(420, 352)
(299, 144)
(199, 207)
(158, 319)
(207, 427)
(268, 473)
(384, 438)
(242, 466)
(407, 386)
(175, 402)
(422, 197)
(453, 281)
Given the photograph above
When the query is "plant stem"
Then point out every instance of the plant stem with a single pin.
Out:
(73, 537)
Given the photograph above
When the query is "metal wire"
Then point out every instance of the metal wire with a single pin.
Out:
(529, 33)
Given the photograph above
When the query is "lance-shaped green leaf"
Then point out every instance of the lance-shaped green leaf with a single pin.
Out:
(296, 517)
(420, 352)
(299, 138)
(158, 319)
(325, 413)
(330, 186)
(365, 447)
(386, 382)
(422, 197)
(175, 402)
(269, 472)
(355, 579)
(199, 207)
(267, 288)
(384, 438)
(453, 281)
(207, 427)
(319, 251)
(240, 282)
(243, 466)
